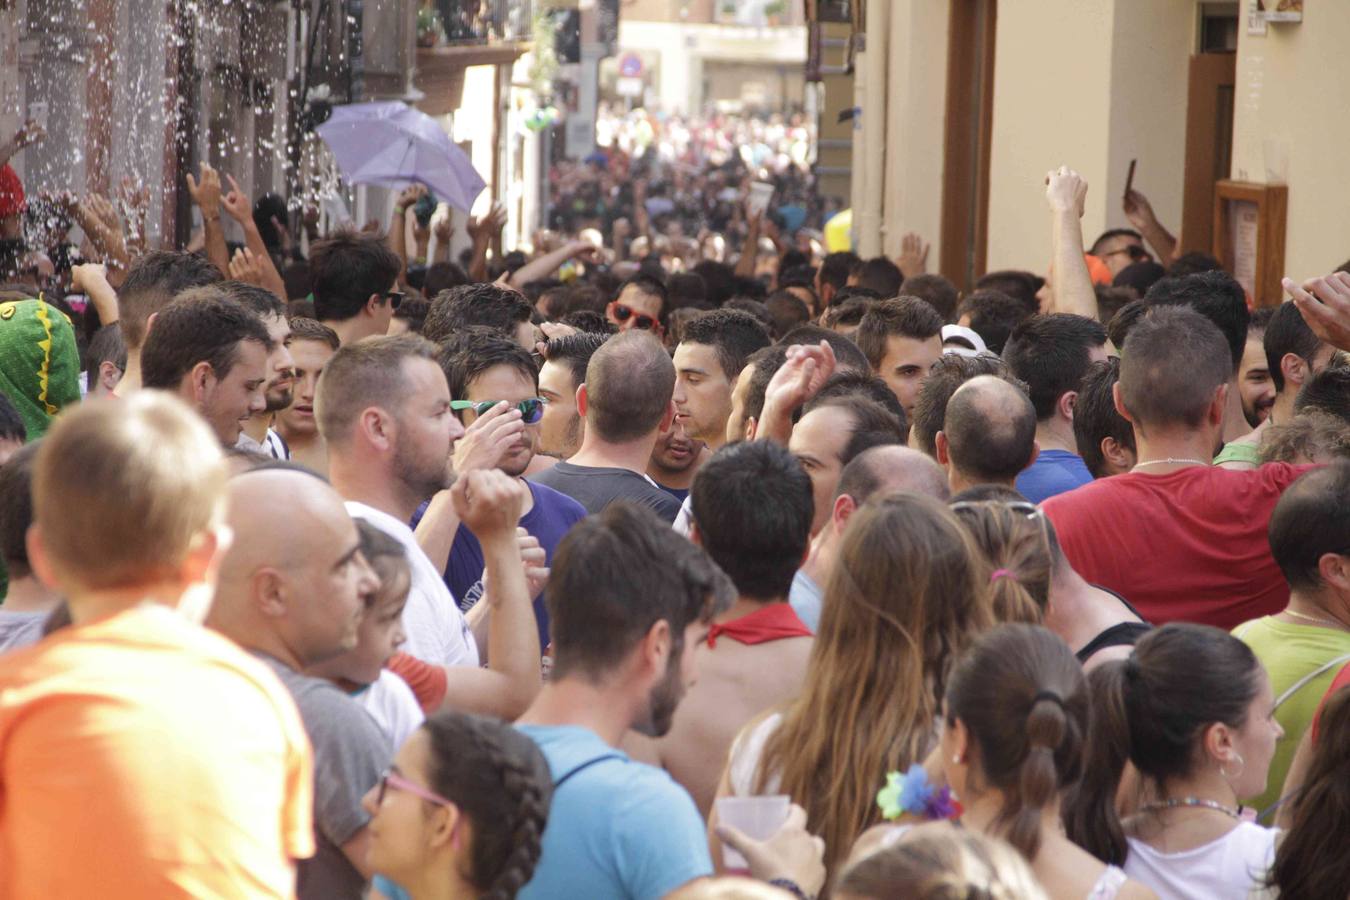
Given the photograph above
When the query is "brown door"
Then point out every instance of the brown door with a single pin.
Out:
(970, 106)
(1209, 144)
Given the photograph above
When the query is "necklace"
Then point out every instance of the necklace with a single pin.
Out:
(1170, 461)
(1340, 626)
(1200, 802)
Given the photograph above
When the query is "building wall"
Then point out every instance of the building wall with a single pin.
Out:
(679, 57)
(916, 122)
(1090, 84)
(1293, 87)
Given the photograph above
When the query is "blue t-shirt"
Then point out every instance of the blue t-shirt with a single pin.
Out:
(678, 493)
(1053, 472)
(617, 829)
(552, 515)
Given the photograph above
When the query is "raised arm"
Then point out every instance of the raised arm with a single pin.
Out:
(799, 379)
(489, 503)
(257, 260)
(545, 265)
(28, 135)
(1140, 213)
(483, 231)
(91, 279)
(1072, 285)
(1325, 305)
(398, 226)
(206, 194)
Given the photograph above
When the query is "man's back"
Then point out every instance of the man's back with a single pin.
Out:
(596, 487)
(1291, 652)
(144, 756)
(1189, 545)
(736, 682)
(616, 828)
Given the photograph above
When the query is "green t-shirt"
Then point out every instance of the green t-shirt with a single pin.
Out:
(1235, 452)
(1289, 652)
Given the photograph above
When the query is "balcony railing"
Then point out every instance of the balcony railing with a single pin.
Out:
(461, 22)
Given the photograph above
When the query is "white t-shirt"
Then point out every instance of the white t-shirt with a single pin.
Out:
(684, 521)
(746, 751)
(391, 703)
(1225, 868)
(272, 445)
(437, 631)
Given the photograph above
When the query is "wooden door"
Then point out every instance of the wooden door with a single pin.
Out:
(1209, 144)
(970, 106)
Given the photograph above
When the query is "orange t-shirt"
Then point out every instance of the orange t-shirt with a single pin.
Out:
(144, 756)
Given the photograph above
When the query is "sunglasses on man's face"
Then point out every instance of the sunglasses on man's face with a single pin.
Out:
(531, 411)
(1137, 253)
(640, 320)
(394, 297)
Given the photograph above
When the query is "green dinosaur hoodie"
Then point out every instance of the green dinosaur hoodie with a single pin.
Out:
(39, 362)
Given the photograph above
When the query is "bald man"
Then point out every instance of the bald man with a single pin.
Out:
(290, 591)
(988, 434)
(881, 470)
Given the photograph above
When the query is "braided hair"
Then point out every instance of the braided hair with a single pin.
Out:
(501, 782)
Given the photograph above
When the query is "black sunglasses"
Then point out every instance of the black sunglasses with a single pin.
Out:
(531, 411)
(394, 297)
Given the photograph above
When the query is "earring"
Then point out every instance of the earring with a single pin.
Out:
(956, 758)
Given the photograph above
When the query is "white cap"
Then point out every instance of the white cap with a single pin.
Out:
(962, 341)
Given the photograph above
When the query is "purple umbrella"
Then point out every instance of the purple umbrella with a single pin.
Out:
(391, 144)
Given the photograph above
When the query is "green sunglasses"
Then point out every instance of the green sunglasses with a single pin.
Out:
(531, 411)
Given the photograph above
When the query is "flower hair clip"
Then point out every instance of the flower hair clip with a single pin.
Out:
(913, 793)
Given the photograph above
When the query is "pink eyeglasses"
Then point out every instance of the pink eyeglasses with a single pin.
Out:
(389, 778)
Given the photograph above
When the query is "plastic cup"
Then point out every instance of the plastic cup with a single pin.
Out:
(761, 192)
(755, 817)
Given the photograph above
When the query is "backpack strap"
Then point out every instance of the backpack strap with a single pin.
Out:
(1311, 676)
(584, 766)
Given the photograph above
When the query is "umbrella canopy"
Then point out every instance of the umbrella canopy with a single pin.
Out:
(391, 144)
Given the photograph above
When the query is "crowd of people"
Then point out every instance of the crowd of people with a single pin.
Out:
(644, 566)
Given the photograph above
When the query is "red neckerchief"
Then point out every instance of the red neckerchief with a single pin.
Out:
(773, 622)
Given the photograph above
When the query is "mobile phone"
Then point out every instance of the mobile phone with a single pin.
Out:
(424, 209)
(1129, 178)
(37, 112)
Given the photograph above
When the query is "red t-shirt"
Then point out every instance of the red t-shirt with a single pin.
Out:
(1190, 545)
(1342, 680)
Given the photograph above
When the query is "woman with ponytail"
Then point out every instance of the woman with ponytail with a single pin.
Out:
(460, 812)
(1015, 719)
(1192, 709)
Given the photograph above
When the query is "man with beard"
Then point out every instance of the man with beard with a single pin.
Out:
(629, 601)
(484, 371)
(676, 460)
(383, 408)
(258, 435)
(212, 352)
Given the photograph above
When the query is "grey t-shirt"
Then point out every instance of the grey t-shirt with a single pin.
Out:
(19, 629)
(596, 487)
(350, 752)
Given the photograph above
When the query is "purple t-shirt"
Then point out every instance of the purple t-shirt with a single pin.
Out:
(552, 515)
